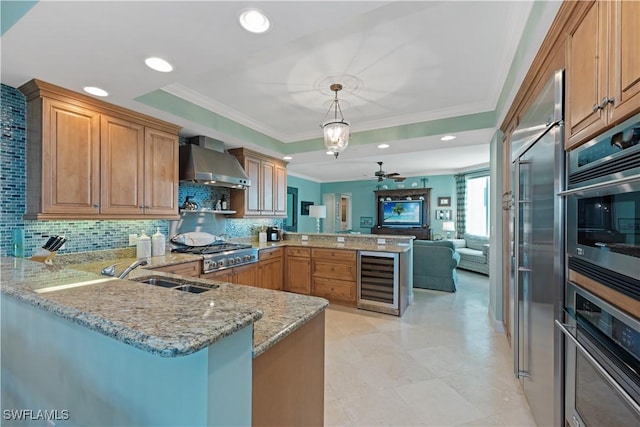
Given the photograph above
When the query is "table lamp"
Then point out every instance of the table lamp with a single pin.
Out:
(448, 226)
(318, 211)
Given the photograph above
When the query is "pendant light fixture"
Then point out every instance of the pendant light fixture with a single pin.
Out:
(336, 132)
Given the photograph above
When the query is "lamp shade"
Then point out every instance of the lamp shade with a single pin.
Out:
(448, 226)
(318, 211)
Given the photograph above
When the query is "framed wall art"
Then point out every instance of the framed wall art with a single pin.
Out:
(444, 201)
(304, 207)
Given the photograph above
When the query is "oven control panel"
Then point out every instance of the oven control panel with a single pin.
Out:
(229, 259)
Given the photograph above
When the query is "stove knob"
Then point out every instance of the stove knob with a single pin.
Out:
(220, 263)
(246, 258)
(230, 261)
(238, 260)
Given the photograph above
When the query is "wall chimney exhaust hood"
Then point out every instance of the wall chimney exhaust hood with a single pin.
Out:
(204, 161)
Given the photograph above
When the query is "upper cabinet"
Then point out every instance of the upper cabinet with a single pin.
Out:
(603, 67)
(87, 159)
(267, 195)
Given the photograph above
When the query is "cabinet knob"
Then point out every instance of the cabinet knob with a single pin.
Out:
(605, 101)
(595, 108)
(95, 205)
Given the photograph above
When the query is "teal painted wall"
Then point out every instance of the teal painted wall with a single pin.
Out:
(308, 191)
(363, 200)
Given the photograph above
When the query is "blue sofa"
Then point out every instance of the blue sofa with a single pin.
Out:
(434, 265)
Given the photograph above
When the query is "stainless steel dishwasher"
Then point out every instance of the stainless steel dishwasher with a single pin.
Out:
(378, 282)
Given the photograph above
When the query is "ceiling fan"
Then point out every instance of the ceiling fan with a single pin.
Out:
(381, 175)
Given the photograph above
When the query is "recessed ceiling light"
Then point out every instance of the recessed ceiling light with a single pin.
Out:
(383, 146)
(254, 21)
(287, 158)
(158, 64)
(447, 138)
(96, 91)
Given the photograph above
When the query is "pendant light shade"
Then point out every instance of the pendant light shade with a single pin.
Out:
(336, 131)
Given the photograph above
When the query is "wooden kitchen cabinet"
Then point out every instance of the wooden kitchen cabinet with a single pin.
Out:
(297, 277)
(603, 68)
(270, 267)
(267, 195)
(189, 269)
(87, 159)
(63, 159)
(334, 275)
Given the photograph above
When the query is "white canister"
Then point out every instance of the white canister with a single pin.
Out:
(157, 243)
(143, 246)
(262, 237)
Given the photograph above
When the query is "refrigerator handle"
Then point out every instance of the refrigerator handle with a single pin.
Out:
(520, 270)
(515, 266)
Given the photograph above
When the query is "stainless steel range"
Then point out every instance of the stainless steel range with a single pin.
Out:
(220, 255)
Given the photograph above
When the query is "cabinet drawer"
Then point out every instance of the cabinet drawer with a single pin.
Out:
(190, 269)
(333, 269)
(265, 254)
(222, 276)
(340, 254)
(332, 289)
(300, 252)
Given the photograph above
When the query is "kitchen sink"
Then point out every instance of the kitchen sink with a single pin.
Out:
(177, 284)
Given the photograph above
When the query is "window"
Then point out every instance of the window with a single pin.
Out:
(477, 212)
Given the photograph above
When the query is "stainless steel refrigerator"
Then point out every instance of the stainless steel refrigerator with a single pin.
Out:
(538, 252)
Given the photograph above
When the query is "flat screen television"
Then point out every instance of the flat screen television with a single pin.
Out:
(402, 213)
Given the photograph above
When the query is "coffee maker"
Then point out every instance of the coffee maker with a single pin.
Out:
(273, 234)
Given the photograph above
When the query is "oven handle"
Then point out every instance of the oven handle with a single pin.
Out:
(602, 185)
(599, 368)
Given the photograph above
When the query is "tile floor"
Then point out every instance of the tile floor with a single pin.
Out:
(441, 364)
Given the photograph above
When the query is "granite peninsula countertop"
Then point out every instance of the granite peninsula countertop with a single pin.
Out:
(161, 321)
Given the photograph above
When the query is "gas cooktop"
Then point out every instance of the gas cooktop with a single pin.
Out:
(214, 248)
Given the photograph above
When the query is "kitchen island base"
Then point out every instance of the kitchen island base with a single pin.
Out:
(288, 379)
(50, 363)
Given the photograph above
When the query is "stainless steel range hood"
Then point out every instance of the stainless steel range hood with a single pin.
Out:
(203, 160)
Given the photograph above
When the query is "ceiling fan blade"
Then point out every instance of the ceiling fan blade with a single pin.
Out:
(389, 175)
(399, 178)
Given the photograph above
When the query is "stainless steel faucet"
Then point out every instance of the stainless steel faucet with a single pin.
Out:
(111, 270)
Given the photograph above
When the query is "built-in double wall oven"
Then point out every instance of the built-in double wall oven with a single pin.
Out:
(602, 294)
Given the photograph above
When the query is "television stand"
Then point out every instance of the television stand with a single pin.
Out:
(421, 233)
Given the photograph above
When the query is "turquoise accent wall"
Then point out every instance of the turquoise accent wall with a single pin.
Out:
(308, 191)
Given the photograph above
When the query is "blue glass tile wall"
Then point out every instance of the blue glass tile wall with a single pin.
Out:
(83, 235)
(12, 165)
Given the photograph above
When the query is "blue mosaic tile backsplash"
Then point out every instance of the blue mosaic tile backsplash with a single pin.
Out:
(82, 236)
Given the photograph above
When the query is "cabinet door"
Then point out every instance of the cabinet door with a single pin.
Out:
(270, 273)
(252, 195)
(266, 187)
(624, 59)
(70, 159)
(160, 173)
(280, 191)
(298, 275)
(121, 166)
(245, 275)
(586, 76)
